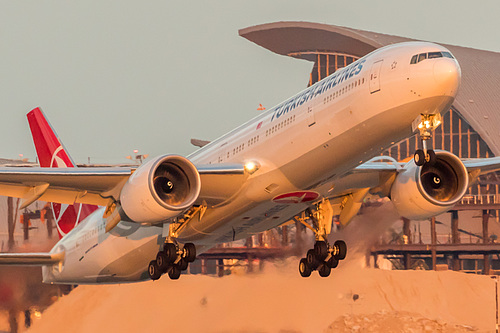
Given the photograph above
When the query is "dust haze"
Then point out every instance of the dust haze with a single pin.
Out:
(277, 299)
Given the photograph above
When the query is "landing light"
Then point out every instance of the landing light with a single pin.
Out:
(251, 167)
(426, 122)
(37, 314)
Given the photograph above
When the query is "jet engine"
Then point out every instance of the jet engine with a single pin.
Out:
(162, 188)
(429, 190)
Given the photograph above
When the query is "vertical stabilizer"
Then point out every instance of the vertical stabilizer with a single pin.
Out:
(52, 154)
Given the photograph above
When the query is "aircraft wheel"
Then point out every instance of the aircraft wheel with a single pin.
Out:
(175, 272)
(431, 157)
(162, 261)
(154, 271)
(304, 269)
(190, 251)
(341, 249)
(312, 260)
(183, 264)
(332, 262)
(324, 270)
(170, 251)
(419, 157)
(321, 250)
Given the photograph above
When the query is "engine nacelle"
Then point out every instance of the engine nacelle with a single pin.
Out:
(426, 191)
(160, 189)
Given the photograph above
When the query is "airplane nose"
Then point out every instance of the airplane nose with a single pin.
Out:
(447, 75)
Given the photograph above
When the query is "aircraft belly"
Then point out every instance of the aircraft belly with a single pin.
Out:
(253, 210)
(357, 144)
(122, 256)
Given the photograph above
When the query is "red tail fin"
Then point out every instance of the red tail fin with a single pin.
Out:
(52, 154)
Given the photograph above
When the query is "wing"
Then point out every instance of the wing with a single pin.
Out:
(31, 259)
(377, 177)
(63, 185)
(476, 165)
(379, 173)
(98, 186)
(482, 165)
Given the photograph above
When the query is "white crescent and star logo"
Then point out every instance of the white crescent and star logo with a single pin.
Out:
(56, 161)
(60, 211)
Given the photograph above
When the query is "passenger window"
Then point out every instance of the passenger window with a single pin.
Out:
(433, 55)
(448, 55)
(414, 59)
(422, 56)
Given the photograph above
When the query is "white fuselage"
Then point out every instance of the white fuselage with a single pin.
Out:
(307, 142)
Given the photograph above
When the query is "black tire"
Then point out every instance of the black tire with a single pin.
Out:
(419, 157)
(183, 264)
(341, 250)
(324, 270)
(170, 251)
(431, 157)
(304, 269)
(175, 272)
(332, 262)
(312, 260)
(321, 250)
(154, 271)
(162, 261)
(190, 252)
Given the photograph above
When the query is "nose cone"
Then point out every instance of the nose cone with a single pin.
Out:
(447, 75)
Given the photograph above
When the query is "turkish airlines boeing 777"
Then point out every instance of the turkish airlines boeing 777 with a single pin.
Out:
(315, 154)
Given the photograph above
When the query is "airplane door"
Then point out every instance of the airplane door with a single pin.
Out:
(310, 116)
(375, 77)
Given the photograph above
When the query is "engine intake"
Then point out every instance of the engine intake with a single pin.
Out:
(162, 188)
(423, 192)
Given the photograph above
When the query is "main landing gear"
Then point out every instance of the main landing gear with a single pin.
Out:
(172, 260)
(322, 257)
(425, 123)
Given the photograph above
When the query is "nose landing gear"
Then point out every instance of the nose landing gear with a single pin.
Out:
(426, 124)
(322, 257)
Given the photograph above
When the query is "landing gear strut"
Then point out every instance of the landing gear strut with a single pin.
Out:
(425, 123)
(323, 257)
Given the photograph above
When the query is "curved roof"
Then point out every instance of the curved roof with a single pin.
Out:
(478, 100)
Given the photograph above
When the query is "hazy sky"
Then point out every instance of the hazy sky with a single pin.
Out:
(113, 76)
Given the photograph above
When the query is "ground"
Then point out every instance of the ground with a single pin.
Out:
(279, 300)
(353, 299)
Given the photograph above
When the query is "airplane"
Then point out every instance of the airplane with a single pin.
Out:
(311, 157)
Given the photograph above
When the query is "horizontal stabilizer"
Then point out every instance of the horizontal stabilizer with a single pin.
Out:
(31, 259)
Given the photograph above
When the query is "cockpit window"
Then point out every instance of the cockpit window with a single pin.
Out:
(448, 55)
(431, 55)
(422, 56)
